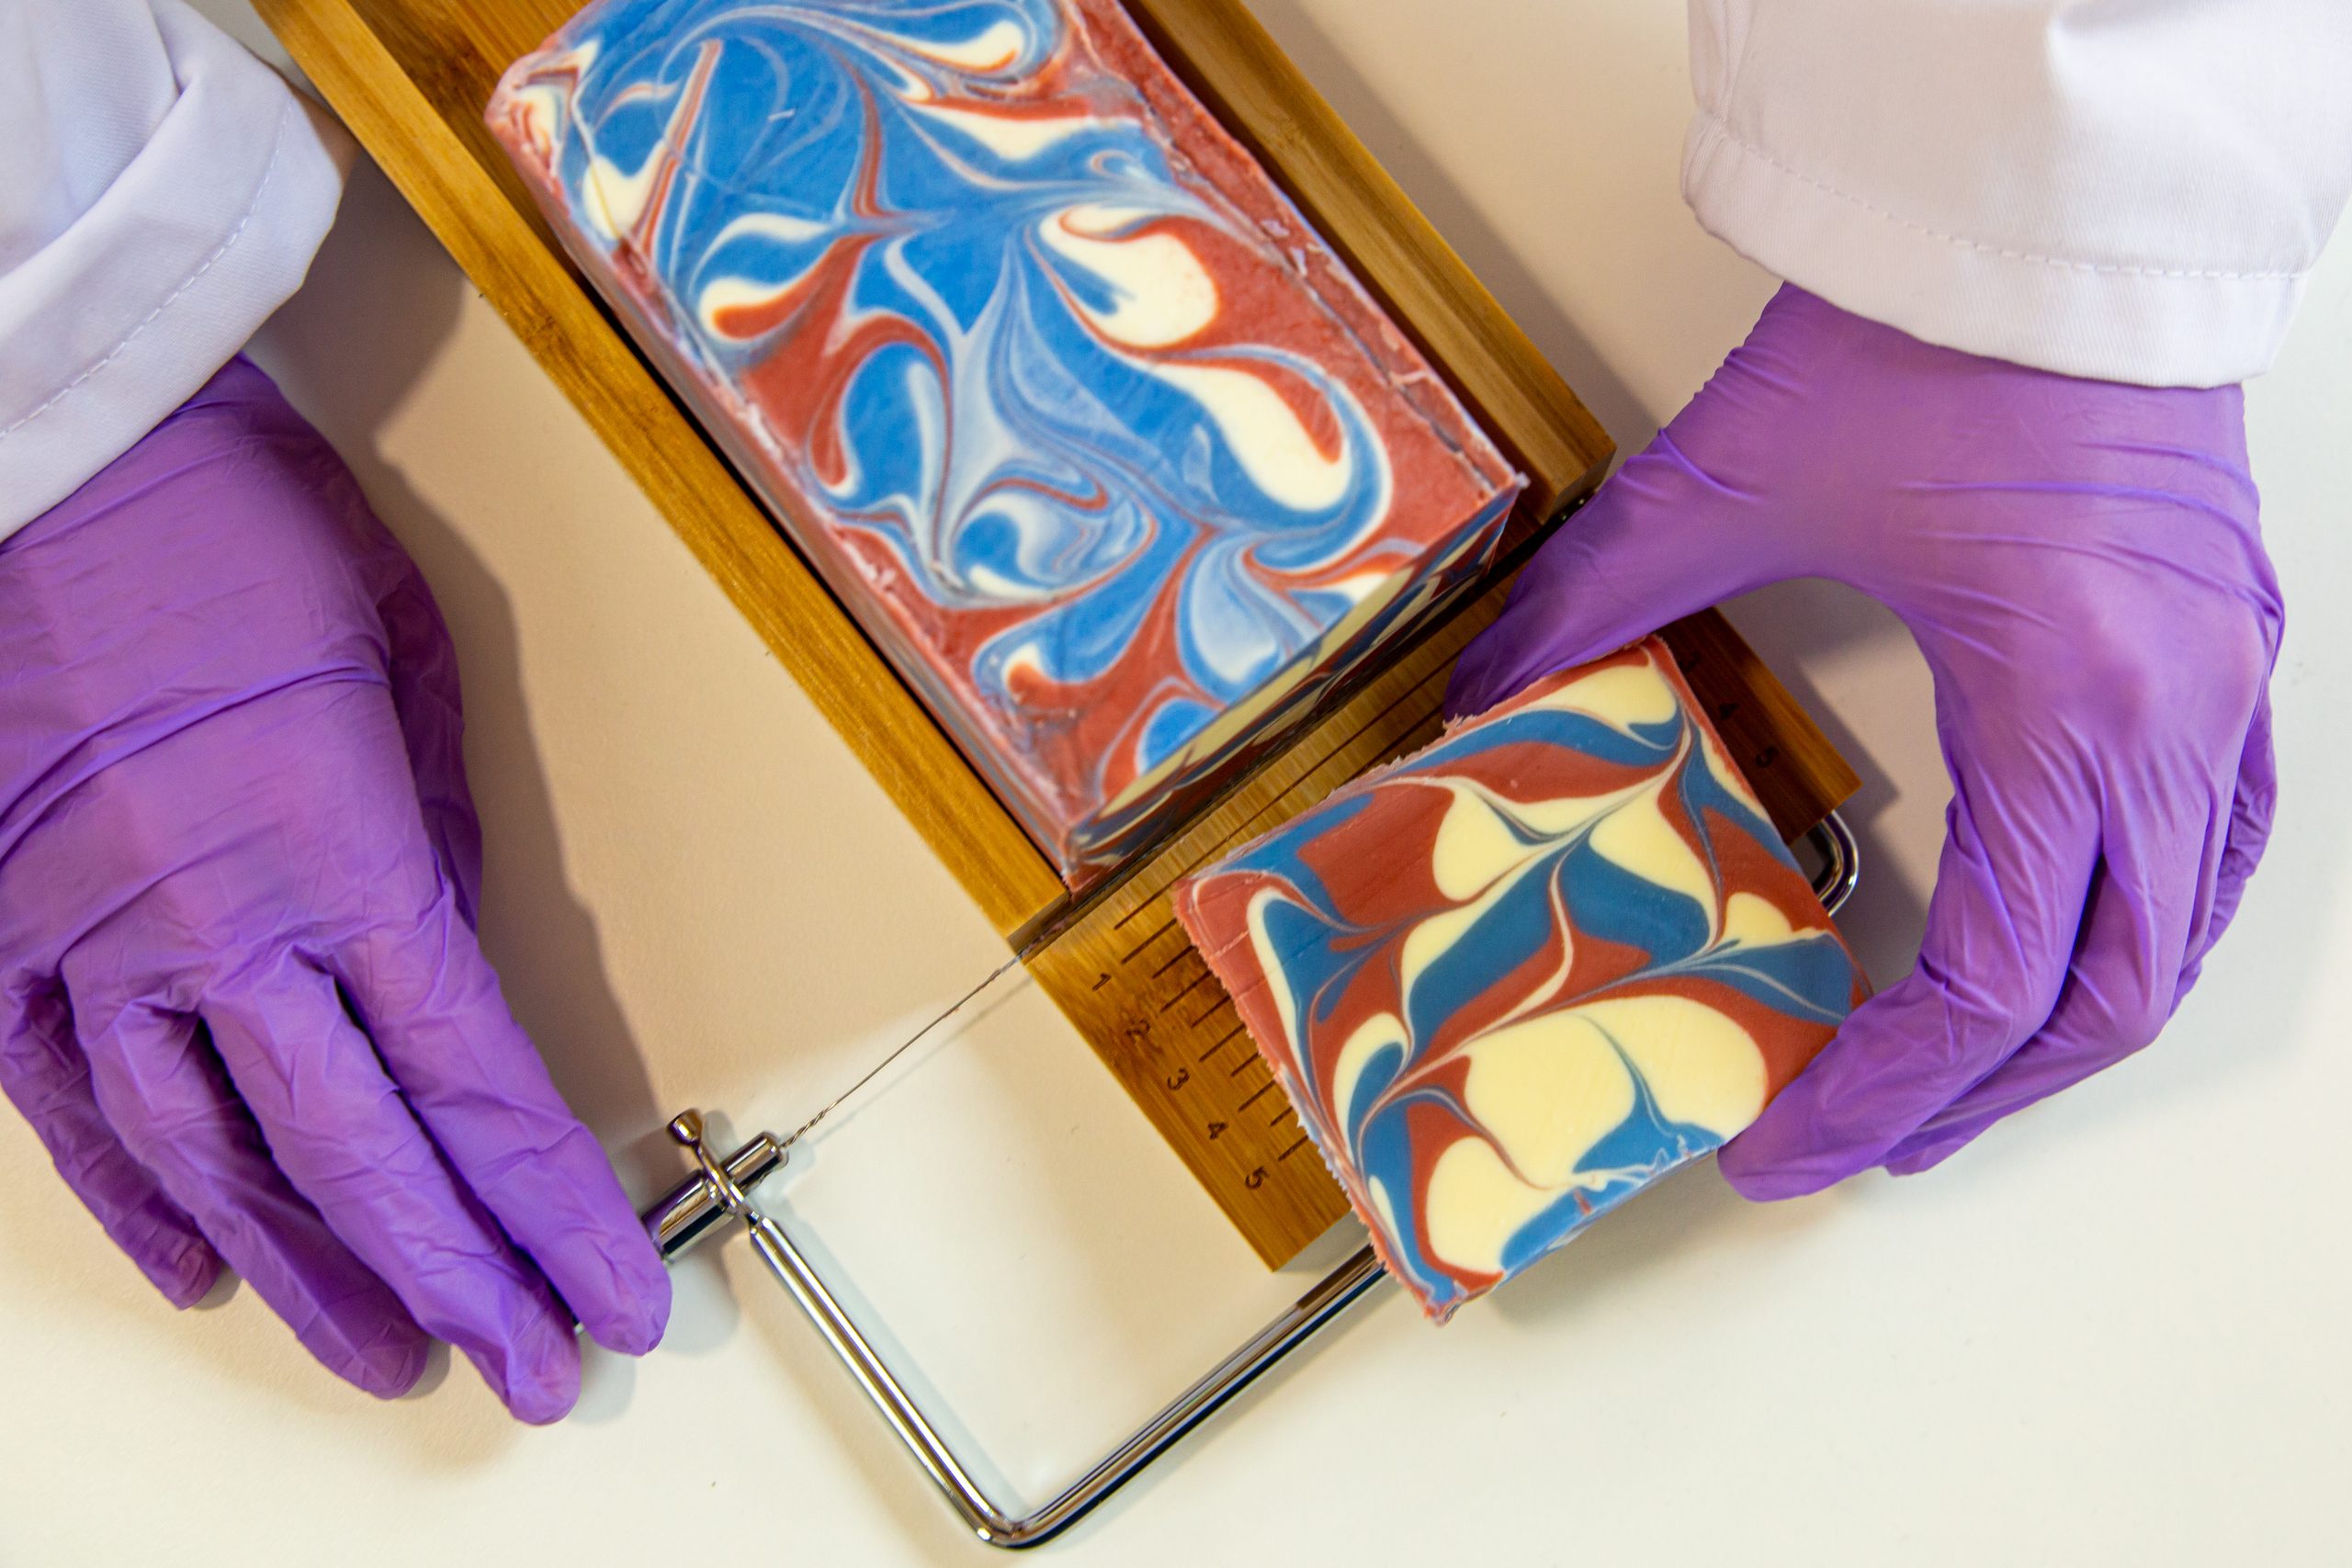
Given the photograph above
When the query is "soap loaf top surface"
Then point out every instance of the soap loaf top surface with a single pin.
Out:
(1512, 979)
(1072, 406)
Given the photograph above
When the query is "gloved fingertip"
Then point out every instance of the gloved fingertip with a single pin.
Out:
(649, 1280)
(187, 1278)
(542, 1399)
(177, 1261)
(1785, 1155)
(1762, 1183)
(396, 1370)
(537, 1373)
(1915, 1156)
(387, 1365)
(1465, 687)
(639, 1325)
(543, 1406)
(1499, 663)
(612, 1278)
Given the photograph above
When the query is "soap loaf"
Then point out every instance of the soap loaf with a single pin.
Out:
(1106, 450)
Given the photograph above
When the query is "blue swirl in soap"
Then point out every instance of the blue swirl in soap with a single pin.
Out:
(895, 176)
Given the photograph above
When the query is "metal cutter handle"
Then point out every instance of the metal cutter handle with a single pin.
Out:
(716, 1193)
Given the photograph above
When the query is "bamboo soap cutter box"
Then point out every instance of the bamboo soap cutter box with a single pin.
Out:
(411, 78)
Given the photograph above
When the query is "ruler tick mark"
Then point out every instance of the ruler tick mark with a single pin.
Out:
(1157, 933)
(1292, 1150)
(1242, 827)
(1191, 985)
(1223, 1041)
(1181, 954)
(1221, 1003)
(1403, 697)
(1259, 1095)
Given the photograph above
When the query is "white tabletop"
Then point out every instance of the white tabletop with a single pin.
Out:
(2113, 1331)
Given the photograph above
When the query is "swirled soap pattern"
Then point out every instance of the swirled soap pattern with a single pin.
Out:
(1104, 447)
(1511, 981)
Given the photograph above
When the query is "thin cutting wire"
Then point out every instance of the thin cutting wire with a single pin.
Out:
(897, 1050)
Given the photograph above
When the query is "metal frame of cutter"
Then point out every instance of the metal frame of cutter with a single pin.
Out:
(718, 1193)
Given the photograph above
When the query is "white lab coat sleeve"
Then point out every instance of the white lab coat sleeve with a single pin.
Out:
(2128, 189)
(162, 192)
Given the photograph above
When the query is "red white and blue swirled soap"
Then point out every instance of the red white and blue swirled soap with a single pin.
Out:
(1512, 980)
(1099, 441)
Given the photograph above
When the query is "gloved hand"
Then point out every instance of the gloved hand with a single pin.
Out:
(241, 999)
(2080, 565)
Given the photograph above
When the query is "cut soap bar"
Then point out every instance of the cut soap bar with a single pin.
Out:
(1098, 440)
(1513, 979)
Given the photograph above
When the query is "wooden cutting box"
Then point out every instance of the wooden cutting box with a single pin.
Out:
(411, 78)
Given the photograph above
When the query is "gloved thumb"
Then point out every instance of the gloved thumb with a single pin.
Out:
(1665, 538)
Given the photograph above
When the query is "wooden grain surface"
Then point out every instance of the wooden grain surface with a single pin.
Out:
(411, 77)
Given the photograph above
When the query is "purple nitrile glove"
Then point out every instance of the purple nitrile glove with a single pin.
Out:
(2079, 563)
(241, 999)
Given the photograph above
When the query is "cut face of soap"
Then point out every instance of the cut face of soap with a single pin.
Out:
(1102, 445)
(1511, 981)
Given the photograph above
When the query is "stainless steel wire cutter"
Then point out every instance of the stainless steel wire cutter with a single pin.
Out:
(718, 1196)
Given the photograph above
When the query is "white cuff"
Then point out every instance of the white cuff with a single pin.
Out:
(2138, 324)
(120, 317)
